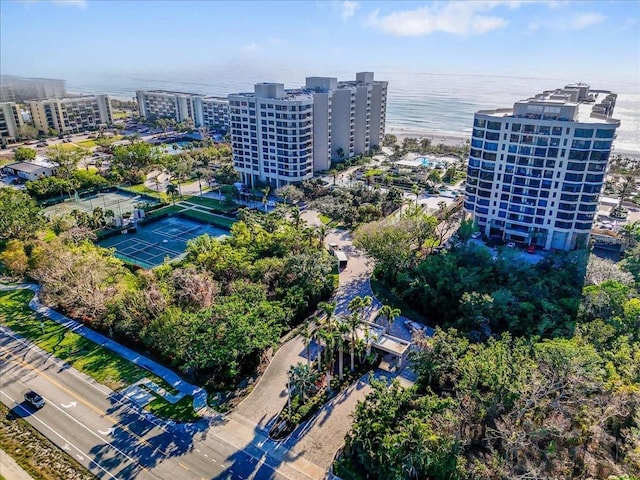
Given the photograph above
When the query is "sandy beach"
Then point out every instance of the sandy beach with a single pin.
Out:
(436, 138)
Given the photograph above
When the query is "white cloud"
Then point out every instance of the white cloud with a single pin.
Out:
(458, 18)
(73, 3)
(348, 8)
(578, 21)
(585, 20)
(249, 48)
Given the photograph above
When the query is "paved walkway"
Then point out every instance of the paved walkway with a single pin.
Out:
(322, 436)
(10, 470)
(199, 394)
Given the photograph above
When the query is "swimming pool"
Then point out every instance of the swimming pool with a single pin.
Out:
(424, 161)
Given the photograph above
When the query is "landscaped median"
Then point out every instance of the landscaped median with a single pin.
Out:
(35, 453)
(103, 365)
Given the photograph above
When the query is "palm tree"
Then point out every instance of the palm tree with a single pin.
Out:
(339, 333)
(389, 314)
(296, 216)
(199, 176)
(356, 307)
(172, 190)
(628, 187)
(415, 189)
(265, 196)
(334, 173)
(325, 333)
(303, 379)
(306, 335)
(322, 232)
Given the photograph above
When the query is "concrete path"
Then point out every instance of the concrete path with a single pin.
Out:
(199, 394)
(262, 406)
(10, 470)
(323, 435)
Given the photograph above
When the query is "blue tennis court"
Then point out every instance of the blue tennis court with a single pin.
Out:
(154, 243)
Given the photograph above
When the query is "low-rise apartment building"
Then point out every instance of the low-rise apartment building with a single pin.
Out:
(69, 115)
(10, 122)
(20, 89)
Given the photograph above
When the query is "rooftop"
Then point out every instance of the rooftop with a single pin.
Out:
(573, 103)
(169, 92)
(28, 167)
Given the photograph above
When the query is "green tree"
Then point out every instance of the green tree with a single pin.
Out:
(130, 161)
(24, 154)
(172, 190)
(14, 257)
(21, 217)
(388, 314)
(357, 306)
(27, 132)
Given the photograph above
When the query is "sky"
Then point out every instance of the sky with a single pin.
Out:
(552, 38)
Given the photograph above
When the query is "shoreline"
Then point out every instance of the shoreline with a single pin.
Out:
(446, 138)
(452, 139)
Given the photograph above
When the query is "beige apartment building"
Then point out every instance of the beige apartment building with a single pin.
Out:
(10, 122)
(203, 111)
(71, 115)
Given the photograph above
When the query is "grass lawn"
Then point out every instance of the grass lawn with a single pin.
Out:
(182, 409)
(99, 363)
(211, 203)
(169, 209)
(387, 297)
(86, 144)
(328, 222)
(215, 220)
(119, 115)
(68, 147)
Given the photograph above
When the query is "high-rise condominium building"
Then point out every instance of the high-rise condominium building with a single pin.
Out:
(348, 117)
(203, 111)
(536, 170)
(71, 114)
(20, 88)
(10, 122)
(272, 135)
(340, 120)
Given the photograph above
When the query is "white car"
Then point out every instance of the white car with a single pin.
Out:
(34, 399)
(415, 327)
(511, 245)
(475, 235)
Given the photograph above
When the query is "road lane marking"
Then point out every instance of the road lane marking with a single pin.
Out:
(183, 466)
(71, 404)
(67, 443)
(86, 403)
(64, 365)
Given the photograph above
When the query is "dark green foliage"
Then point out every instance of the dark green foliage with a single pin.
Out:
(468, 290)
(20, 217)
(504, 409)
(80, 180)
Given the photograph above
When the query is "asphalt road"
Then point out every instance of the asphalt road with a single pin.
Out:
(116, 441)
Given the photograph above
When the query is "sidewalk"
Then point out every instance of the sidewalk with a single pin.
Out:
(10, 470)
(199, 394)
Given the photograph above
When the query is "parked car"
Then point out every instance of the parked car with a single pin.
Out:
(42, 144)
(511, 245)
(414, 327)
(531, 248)
(34, 399)
(476, 235)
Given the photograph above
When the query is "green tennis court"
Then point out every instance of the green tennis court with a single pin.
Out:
(153, 243)
(118, 202)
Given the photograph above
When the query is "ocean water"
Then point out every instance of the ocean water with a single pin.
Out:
(418, 103)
